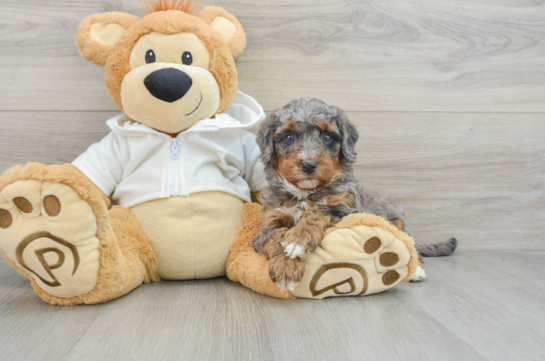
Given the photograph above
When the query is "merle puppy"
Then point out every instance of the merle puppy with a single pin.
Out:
(307, 148)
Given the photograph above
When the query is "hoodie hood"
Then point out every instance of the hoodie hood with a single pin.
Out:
(244, 112)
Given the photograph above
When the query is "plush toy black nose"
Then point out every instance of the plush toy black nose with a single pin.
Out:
(168, 84)
(309, 166)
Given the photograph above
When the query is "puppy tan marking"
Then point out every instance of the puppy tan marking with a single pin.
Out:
(288, 125)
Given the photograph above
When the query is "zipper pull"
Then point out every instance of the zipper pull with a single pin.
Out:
(175, 154)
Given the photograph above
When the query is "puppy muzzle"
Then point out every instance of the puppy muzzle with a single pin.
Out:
(309, 166)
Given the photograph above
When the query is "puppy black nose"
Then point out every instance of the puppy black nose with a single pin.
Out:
(309, 166)
(168, 84)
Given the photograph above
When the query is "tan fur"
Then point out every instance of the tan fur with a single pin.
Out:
(245, 265)
(310, 229)
(251, 269)
(307, 233)
(288, 167)
(345, 198)
(126, 257)
(280, 266)
(255, 196)
(327, 169)
(327, 126)
(420, 262)
(151, 6)
(89, 49)
(273, 218)
(222, 64)
(287, 125)
(237, 43)
(398, 223)
(116, 59)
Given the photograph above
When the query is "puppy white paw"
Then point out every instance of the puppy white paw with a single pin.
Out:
(419, 275)
(290, 285)
(293, 250)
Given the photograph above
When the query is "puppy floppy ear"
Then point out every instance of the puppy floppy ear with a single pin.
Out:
(98, 33)
(227, 26)
(349, 135)
(265, 140)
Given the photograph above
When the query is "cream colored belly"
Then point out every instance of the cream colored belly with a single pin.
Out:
(191, 235)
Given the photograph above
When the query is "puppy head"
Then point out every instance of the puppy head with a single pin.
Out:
(307, 143)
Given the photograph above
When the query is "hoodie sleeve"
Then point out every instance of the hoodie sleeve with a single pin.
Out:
(254, 172)
(102, 162)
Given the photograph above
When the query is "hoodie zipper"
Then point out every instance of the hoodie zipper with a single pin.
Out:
(174, 156)
(174, 172)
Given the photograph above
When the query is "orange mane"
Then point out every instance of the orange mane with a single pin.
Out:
(151, 6)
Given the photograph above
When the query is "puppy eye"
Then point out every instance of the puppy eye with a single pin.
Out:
(289, 138)
(327, 139)
(150, 56)
(187, 58)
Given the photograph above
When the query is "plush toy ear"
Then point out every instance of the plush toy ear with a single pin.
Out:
(98, 33)
(227, 26)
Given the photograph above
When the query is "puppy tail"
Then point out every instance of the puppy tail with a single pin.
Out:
(437, 249)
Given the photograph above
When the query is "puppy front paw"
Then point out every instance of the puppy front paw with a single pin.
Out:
(298, 244)
(294, 250)
(286, 272)
(419, 275)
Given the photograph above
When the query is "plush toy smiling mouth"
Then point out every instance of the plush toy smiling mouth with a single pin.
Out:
(198, 105)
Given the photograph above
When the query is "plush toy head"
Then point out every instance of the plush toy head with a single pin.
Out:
(169, 69)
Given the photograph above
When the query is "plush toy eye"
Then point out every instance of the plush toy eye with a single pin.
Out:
(150, 56)
(289, 138)
(187, 58)
(327, 139)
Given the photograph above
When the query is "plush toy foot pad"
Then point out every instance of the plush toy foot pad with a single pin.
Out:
(353, 261)
(49, 232)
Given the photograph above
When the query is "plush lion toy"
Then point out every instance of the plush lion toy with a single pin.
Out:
(181, 166)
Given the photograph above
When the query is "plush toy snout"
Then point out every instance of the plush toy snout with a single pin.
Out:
(168, 84)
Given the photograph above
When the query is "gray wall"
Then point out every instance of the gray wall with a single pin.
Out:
(448, 96)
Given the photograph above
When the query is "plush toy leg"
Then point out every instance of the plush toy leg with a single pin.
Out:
(56, 230)
(361, 255)
(244, 264)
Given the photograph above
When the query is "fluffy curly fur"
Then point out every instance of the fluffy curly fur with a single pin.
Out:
(307, 148)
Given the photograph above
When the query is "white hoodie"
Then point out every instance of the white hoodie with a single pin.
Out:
(135, 164)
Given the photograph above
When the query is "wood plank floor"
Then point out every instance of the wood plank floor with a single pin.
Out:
(473, 306)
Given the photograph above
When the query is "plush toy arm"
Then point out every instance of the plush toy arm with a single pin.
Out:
(254, 172)
(96, 190)
(103, 162)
